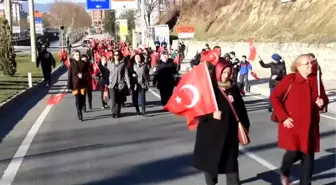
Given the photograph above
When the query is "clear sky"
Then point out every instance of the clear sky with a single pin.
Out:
(51, 1)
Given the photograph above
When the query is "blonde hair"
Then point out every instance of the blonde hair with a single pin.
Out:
(296, 61)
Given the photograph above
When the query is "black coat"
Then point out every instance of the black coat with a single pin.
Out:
(104, 75)
(216, 147)
(74, 82)
(278, 69)
(164, 76)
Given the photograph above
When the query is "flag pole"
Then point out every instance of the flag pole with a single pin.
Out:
(318, 81)
(209, 79)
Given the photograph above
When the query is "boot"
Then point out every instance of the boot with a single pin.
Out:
(144, 112)
(232, 179)
(137, 110)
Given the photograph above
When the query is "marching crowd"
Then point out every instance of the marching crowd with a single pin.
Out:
(117, 70)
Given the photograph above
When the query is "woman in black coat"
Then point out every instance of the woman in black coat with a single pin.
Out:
(103, 79)
(77, 81)
(216, 147)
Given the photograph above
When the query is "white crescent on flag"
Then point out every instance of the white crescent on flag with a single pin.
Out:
(196, 95)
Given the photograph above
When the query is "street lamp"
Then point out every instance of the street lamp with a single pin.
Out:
(32, 30)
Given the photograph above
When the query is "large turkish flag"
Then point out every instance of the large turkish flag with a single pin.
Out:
(194, 96)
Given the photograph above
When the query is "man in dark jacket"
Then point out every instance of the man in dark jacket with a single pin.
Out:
(46, 60)
(164, 78)
(278, 71)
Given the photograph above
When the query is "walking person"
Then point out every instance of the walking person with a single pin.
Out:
(216, 147)
(296, 103)
(47, 61)
(245, 68)
(103, 79)
(164, 78)
(119, 83)
(278, 71)
(88, 93)
(139, 83)
(77, 81)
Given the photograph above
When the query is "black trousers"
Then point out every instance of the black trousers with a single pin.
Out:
(102, 88)
(231, 179)
(80, 102)
(165, 93)
(135, 99)
(46, 70)
(88, 94)
(116, 101)
(307, 165)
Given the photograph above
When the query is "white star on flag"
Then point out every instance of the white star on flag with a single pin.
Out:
(178, 100)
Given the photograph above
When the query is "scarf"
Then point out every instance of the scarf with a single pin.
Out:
(225, 85)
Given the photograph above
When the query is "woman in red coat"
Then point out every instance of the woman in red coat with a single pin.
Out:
(299, 117)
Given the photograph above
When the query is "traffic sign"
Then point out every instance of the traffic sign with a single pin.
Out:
(98, 4)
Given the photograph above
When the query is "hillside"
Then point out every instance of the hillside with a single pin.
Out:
(265, 21)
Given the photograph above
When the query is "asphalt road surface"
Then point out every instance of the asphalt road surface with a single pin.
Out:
(47, 145)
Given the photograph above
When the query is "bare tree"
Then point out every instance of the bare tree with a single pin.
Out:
(150, 5)
(71, 15)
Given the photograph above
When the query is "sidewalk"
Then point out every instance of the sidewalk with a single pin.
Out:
(261, 86)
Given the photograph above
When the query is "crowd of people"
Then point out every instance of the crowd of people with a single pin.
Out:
(118, 71)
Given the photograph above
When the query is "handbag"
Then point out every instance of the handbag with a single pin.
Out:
(273, 116)
(243, 135)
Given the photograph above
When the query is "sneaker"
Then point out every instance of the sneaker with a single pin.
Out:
(284, 180)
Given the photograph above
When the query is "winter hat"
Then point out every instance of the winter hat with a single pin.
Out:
(276, 57)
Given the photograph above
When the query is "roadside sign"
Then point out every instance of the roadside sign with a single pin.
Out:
(124, 4)
(98, 4)
(185, 32)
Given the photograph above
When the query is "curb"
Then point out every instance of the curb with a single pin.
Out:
(6, 107)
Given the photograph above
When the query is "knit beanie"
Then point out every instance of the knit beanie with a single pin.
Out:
(276, 57)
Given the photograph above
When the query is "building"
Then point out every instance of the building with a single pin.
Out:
(19, 17)
(97, 17)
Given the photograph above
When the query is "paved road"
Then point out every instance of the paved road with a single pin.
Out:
(133, 150)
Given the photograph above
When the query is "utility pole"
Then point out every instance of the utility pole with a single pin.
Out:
(8, 12)
(32, 30)
(143, 24)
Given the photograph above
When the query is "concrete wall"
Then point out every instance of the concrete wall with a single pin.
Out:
(326, 54)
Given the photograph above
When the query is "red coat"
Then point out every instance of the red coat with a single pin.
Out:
(300, 106)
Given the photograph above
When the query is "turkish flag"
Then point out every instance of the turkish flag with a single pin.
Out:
(253, 51)
(125, 51)
(211, 56)
(193, 98)
(255, 76)
(108, 54)
(56, 98)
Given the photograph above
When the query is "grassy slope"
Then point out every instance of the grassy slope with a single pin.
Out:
(267, 21)
(10, 86)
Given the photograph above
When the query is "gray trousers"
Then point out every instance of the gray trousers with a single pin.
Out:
(243, 81)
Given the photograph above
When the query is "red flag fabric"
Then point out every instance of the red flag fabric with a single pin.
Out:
(211, 56)
(125, 51)
(108, 54)
(255, 76)
(96, 70)
(177, 59)
(253, 51)
(56, 98)
(153, 59)
(193, 98)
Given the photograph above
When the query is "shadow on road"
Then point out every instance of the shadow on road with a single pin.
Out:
(157, 171)
(9, 121)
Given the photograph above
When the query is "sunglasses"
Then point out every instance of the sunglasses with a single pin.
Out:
(116, 54)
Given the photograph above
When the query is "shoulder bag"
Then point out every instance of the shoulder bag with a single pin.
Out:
(243, 135)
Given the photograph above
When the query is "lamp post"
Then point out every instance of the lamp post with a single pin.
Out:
(32, 30)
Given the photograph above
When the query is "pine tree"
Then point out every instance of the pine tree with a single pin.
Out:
(7, 54)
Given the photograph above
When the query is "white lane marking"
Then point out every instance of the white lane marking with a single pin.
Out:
(14, 165)
(251, 155)
(261, 98)
(154, 93)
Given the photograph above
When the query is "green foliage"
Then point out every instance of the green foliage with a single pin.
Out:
(7, 54)
(109, 23)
